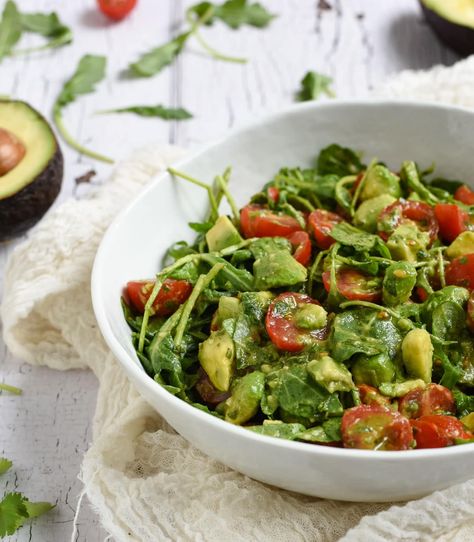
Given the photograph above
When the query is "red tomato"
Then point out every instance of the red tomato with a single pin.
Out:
(172, 294)
(273, 193)
(302, 246)
(354, 285)
(321, 223)
(438, 431)
(460, 272)
(465, 195)
(470, 312)
(374, 427)
(422, 293)
(256, 221)
(280, 325)
(452, 220)
(405, 211)
(371, 396)
(434, 399)
(116, 9)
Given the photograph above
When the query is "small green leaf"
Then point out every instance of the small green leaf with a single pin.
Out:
(313, 85)
(5, 465)
(36, 509)
(47, 25)
(160, 111)
(10, 28)
(234, 13)
(13, 513)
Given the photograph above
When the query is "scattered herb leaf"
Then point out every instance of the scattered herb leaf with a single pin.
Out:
(47, 25)
(235, 13)
(15, 509)
(313, 85)
(155, 60)
(10, 28)
(160, 111)
(5, 465)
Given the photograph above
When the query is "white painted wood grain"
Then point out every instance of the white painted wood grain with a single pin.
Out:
(358, 42)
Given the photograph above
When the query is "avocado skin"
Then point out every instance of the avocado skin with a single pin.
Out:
(24, 209)
(458, 37)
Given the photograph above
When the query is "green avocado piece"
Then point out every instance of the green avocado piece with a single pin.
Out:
(31, 167)
(460, 12)
(310, 316)
(380, 180)
(368, 211)
(398, 283)
(399, 389)
(330, 375)
(417, 354)
(247, 393)
(228, 307)
(406, 241)
(217, 358)
(462, 245)
(373, 370)
(468, 421)
(222, 235)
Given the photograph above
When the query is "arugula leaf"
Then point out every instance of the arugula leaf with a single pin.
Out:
(5, 465)
(47, 25)
(10, 28)
(155, 60)
(90, 70)
(338, 160)
(160, 111)
(15, 509)
(464, 403)
(234, 13)
(164, 359)
(409, 174)
(313, 85)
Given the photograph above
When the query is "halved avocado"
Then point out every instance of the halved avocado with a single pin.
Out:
(453, 22)
(31, 167)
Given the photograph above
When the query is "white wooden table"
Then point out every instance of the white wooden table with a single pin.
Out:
(357, 42)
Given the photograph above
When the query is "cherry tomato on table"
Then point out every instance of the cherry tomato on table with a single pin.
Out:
(403, 211)
(281, 326)
(374, 427)
(434, 399)
(257, 221)
(302, 247)
(171, 295)
(321, 223)
(116, 9)
(437, 431)
(355, 285)
(465, 195)
(452, 220)
(460, 272)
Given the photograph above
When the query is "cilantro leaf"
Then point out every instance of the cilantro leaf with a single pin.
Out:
(313, 85)
(5, 465)
(166, 113)
(10, 28)
(49, 26)
(13, 513)
(90, 70)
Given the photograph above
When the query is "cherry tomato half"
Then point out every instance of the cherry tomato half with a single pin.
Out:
(273, 193)
(407, 211)
(438, 431)
(434, 399)
(354, 285)
(172, 294)
(321, 223)
(281, 326)
(257, 221)
(460, 272)
(452, 220)
(374, 427)
(302, 247)
(371, 396)
(116, 9)
(465, 195)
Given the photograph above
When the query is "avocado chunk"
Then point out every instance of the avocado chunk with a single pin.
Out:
(398, 283)
(468, 421)
(228, 307)
(31, 168)
(380, 180)
(222, 235)
(216, 356)
(399, 389)
(247, 393)
(373, 370)
(368, 211)
(417, 354)
(406, 241)
(462, 245)
(310, 316)
(330, 375)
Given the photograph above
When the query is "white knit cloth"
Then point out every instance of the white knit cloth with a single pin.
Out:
(145, 481)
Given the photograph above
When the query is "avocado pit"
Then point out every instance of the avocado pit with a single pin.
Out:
(12, 151)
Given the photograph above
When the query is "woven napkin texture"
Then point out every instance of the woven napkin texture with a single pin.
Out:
(146, 482)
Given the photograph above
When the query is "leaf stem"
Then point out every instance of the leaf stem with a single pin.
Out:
(10, 389)
(223, 186)
(210, 192)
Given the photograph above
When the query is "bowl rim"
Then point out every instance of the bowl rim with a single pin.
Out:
(130, 365)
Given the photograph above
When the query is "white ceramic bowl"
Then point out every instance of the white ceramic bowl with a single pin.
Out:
(135, 243)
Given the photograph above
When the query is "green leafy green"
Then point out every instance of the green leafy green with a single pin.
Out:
(349, 235)
(329, 431)
(409, 174)
(338, 160)
(5, 465)
(49, 26)
(160, 111)
(464, 402)
(313, 85)
(234, 13)
(288, 431)
(15, 509)
(155, 60)
(89, 72)
(10, 28)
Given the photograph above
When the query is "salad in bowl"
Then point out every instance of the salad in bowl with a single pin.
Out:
(334, 308)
